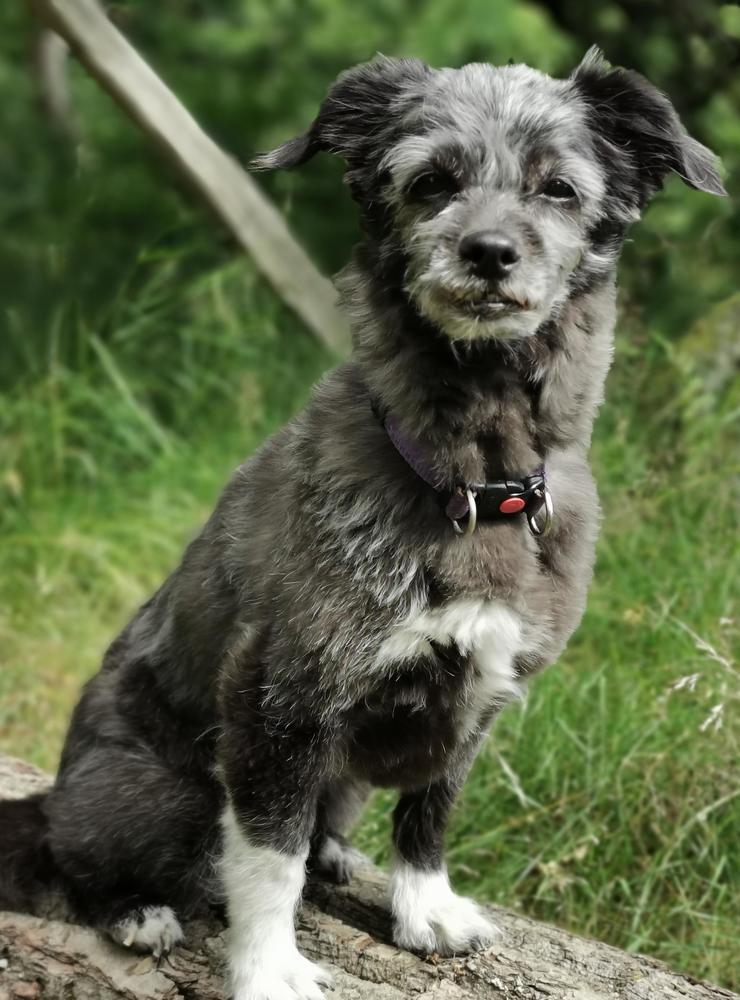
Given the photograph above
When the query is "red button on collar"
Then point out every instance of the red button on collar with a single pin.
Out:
(512, 505)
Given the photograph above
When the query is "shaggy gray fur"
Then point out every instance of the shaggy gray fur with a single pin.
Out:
(275, 656)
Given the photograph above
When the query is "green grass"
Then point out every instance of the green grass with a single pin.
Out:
(603, 803)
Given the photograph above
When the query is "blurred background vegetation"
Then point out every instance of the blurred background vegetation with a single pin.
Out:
(141, 358)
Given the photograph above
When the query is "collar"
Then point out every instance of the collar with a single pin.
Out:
(495, 500)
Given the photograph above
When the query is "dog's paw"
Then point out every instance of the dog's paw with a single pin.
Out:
(430, 917)
(297, 979)
(336, 860)
(153, 929)
(455, 927)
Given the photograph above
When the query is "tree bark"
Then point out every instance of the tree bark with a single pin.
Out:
(47, 957)
(252, 219)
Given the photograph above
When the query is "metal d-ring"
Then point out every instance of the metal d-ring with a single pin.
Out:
(472, 516)
(549, 511)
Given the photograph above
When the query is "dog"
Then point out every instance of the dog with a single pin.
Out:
(389, 569)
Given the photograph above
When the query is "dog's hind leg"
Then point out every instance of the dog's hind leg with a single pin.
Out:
(130, 837)
(154, 929)
(339, 808)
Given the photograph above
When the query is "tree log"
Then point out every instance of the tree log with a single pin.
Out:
(347, 929)
(252, 219)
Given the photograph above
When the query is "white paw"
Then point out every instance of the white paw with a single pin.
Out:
(430, 917)
(153, 928)
(337, 860)
(292, 978)
(452, 928)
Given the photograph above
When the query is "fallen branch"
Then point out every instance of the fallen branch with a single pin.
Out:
(347, 929)
(252, 219)
(51, 56)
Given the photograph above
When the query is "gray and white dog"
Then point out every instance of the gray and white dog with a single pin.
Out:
(377, 581)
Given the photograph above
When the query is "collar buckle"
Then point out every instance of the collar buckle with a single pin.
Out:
(499, 500)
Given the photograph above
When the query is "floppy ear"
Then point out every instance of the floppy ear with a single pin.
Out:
(354, 114)
(629, 113)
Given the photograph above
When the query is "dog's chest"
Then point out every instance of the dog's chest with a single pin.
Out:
(439, 673)
(484, 633)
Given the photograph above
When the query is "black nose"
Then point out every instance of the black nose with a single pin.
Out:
(492, 254)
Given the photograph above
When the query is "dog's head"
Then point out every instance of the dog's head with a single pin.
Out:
(499, 189)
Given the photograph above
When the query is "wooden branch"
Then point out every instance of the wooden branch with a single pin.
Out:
(252, 219)
(51, 58)
(346, 928)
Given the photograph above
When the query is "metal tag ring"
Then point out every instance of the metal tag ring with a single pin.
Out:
(472, 516)
(549, 511)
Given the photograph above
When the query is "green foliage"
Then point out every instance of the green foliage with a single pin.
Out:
(254, 71)
(171, 367)
(134, 352)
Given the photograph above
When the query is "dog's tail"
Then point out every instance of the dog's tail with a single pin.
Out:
(26, 864)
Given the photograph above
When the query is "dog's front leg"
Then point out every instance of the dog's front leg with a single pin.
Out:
(272, 773)
(428, 915)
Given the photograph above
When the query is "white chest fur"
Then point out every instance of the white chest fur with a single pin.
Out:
(488, 631)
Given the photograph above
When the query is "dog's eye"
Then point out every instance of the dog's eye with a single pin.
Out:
(432, 186)
(558, 189)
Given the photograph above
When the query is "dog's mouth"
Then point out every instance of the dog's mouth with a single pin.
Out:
(486, 306)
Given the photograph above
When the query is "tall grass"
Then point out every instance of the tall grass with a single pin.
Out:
(112, 450)
(609, 801)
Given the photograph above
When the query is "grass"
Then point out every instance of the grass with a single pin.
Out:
(609, 801)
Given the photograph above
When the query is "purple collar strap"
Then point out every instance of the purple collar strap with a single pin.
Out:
(490, 501)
